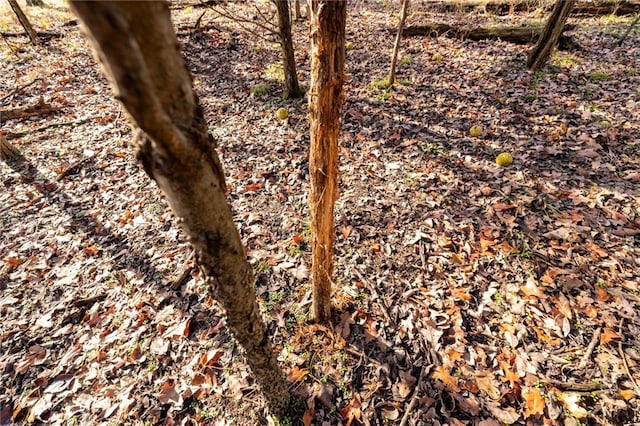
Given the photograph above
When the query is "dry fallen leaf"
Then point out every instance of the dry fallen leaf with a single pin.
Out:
(297, 374)
(443, 374)
(533, 400)
(608, 335)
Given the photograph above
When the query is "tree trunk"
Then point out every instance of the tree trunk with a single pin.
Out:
(292, 87)
(549, 37)
(7, 151)
(328, 18)
(396, 47)
(296, 8)
(140, 54)
(24, 22)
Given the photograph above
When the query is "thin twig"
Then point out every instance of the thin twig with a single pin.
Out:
(624, 361)
(624, 36)
(414, 398)
(243, 21)
(17, 135)
(72, 169)
(18, 89)
(590, 348)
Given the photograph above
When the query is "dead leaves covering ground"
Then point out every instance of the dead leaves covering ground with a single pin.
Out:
(466, 293)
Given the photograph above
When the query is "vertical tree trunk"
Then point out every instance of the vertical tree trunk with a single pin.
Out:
(396, 47)
(292, 87)
(328, 18)
(296, 7)
(139, 51)
(550, 35)
(24, 22)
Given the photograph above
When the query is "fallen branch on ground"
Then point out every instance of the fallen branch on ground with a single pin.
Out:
(29, 111)
(518, 35)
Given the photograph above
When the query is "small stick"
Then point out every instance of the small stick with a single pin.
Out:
(18, 89)
(414, 398)
(625, 363)
(590, 348)
(624, 36)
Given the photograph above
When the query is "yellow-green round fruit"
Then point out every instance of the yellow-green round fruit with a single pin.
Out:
(282, 113)
(436, 57)
(475, 131)
(349, 46)
(504, 159)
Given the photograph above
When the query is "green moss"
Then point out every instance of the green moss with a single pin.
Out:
(258, 90)
(599, 75)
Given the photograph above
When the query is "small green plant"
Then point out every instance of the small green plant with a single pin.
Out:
(599, 75)
(530, 97)
(152, 363)
(406, 61)
(380, 84)
(589, 93)
(274, 72)
(258, 90)
(296, 249)
(498, 297)
(565, 60)
(263, 266)
(385, 95)
(276, 297)
(632, 71)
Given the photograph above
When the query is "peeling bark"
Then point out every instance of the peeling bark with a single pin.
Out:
(328, 18)
(140, 54)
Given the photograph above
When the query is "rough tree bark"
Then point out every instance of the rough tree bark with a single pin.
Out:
(24, 22)
(292, 87)
(550, 35)
(139, 51)
(327, 20)
(396, 47)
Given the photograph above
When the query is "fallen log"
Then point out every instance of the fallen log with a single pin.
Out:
(509, 7)
(512, 34)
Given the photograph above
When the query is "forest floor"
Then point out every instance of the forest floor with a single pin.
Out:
(465, 293)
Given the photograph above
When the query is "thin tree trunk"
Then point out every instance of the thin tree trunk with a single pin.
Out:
(292, 87)
(138, 48)
(626, 33)
(328, 18)
(296, 8)
(24, 22)
(550, 35)
(396, 47)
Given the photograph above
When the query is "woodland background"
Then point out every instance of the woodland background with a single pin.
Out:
(465, 292)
